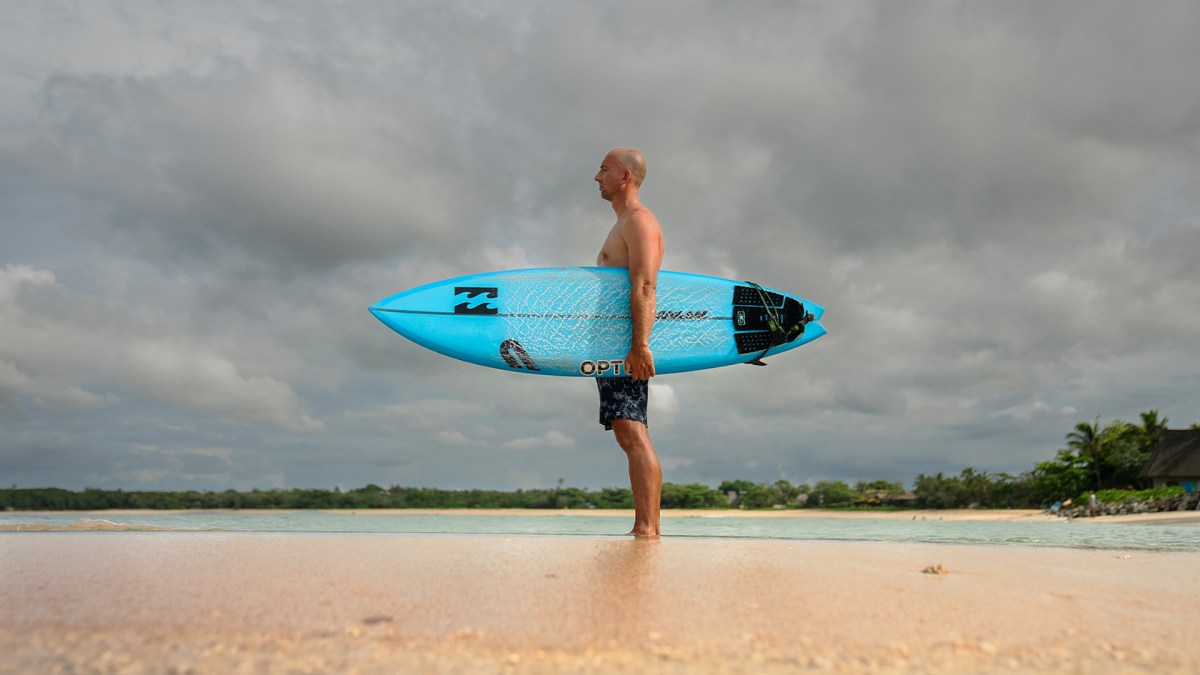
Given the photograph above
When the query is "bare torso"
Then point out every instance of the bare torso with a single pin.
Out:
(615, 251)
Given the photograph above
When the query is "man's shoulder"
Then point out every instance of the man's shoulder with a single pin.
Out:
(641, 219)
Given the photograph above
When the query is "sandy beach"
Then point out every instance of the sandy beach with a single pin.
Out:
(134, 602)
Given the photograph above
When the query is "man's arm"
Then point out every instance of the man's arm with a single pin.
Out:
(641, 236)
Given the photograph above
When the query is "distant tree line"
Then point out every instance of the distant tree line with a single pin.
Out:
(369, 497)
(1095, 458)
(739, 493)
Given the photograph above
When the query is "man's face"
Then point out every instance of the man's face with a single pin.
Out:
(609, 177)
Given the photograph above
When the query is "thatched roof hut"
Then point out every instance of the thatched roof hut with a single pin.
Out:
(1177, 459)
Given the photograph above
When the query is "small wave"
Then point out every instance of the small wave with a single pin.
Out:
(83, 524)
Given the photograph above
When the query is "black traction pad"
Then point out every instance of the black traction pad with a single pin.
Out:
(748, 343)
(748, 295)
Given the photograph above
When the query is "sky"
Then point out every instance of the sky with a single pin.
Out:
(998, 203)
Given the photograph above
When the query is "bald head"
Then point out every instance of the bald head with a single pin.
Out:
(632, 161)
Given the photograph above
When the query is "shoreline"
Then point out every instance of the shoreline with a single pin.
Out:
(185, 602)
(927, 514)
(1009, 515)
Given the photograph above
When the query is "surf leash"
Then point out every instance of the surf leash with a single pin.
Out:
(780, 333)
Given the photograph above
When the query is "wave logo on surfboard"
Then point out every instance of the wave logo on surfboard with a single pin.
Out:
(476, 300)
(515, 355)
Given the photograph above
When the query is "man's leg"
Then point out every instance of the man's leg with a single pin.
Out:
(645, 475)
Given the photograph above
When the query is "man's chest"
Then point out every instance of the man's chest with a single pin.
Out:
(614, 252)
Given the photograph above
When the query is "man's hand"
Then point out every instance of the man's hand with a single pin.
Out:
(639, 363)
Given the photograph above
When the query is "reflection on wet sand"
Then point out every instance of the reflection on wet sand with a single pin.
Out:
(175, 601)
(626, 599)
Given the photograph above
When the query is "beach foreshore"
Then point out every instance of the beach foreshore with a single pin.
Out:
(293, 602)
(948, 514)
(1167, 517)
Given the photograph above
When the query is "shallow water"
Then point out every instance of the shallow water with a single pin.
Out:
(1061, 533)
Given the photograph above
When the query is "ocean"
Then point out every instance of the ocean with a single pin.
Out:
(1033, 532)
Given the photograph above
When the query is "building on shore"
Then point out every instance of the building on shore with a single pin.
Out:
(1176, 461)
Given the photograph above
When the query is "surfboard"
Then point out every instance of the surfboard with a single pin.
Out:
(575, 321)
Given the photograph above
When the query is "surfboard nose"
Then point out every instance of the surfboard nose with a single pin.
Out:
(385, 317)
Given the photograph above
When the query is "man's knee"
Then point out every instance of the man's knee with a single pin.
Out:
(630, 435)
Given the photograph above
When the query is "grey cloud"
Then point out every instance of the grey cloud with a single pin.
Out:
(44, 354)
(194, 167)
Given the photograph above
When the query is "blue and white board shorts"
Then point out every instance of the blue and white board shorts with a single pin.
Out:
(622, 398)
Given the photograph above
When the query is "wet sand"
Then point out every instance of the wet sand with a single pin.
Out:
(95, 518)
(251, 602)
(667, 514)
(919, 514)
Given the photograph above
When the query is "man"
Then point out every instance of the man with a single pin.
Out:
(636, 243)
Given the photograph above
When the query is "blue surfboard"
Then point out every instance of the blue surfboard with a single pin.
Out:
(574, 321)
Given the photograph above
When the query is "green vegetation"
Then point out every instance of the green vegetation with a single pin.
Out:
(369, 497)
(1118, 496)
(974, 489)
(739, 493)
(1107, 459)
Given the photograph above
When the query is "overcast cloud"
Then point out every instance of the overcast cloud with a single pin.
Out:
(997, 203)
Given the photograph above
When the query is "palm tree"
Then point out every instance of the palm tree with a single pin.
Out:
(977, 485)
(1085, 440)
(1151, 426)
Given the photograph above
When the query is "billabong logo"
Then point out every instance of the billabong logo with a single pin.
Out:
(515, 355)
(469, 298)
